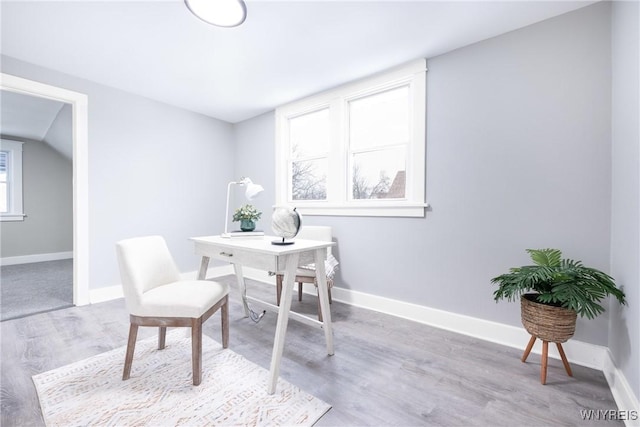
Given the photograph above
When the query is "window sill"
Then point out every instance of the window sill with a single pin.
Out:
(12, 217)
(416, 210)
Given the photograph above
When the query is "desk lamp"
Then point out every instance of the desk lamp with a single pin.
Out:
(252, 191)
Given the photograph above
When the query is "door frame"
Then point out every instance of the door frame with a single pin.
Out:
(80, 127)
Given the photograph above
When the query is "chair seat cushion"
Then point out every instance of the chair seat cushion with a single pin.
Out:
(186, 298)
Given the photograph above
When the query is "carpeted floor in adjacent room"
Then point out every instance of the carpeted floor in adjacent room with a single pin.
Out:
(35, 288)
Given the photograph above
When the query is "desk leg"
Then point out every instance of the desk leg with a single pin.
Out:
(323, 294)
(283, 318)
(204, 264)
(242, 287)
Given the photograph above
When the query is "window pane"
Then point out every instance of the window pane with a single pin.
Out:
(4, 203)
(4, 158)
(309, 134)
(309, 180)
(379, 174)
(380, 119)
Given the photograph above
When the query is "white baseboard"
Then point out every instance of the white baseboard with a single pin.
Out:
(220, 271)
(578, 352)
(104, 294)
(28, 259)
(622, 392)
(259, 275)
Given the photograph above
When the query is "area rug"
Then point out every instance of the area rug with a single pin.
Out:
(160, 392)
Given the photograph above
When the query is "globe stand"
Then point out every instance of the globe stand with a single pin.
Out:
(282, 242)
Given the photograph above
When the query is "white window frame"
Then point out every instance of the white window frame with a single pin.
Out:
(337, 100)
(14, 180)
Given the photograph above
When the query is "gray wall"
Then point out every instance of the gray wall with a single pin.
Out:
(47, 202)
(624, 335)
(153, 169)
(255, 158)
(518, 156)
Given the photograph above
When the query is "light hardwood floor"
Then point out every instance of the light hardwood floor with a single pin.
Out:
(385, 371)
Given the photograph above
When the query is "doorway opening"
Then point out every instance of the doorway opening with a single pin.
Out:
(79, 114)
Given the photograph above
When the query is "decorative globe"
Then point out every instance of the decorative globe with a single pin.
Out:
(285, 223)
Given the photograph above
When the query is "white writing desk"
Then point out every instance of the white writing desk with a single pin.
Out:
(261, 254)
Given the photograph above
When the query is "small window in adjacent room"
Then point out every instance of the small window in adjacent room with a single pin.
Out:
(11, 181)
(356, 150)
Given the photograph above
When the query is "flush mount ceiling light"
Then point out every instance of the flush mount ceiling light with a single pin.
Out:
(222, 13)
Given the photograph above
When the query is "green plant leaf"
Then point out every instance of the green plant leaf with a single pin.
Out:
(546, 257)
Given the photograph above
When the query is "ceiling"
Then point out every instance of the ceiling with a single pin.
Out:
(27, 116)
(284, 51)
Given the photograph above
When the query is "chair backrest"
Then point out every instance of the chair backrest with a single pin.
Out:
(316, 232)
(145, 263)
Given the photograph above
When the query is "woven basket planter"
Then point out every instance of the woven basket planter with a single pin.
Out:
(546, 322)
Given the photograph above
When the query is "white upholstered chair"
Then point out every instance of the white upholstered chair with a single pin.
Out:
(303, 275)
(155, 295)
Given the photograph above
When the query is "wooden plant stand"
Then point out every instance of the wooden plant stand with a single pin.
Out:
(545, 357)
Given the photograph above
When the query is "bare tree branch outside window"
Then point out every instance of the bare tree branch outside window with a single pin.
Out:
(362, 189)
(307, 182)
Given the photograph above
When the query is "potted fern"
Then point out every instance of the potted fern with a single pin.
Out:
(558, 282)
(553, 292)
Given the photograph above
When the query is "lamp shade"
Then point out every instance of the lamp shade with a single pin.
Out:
(253, 190)
(222, 13)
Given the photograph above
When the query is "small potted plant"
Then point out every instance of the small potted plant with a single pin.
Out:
(552, 293)
(247, 215)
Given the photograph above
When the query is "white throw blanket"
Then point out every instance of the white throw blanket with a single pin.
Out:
(330, 266)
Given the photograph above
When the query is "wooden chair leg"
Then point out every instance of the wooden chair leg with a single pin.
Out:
(299, 291)
(162, 337)
(528, 349)
(565, 362)
(224, 314)
(131, 346)
(278, 288)
(196, 349)
(545, 360)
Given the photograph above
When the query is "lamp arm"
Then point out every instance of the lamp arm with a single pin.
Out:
(226, 211)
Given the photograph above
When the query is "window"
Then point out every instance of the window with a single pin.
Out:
(309, 140)
(356, 150)
(11, 181)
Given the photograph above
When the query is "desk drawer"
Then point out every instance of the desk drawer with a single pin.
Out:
(235, 256)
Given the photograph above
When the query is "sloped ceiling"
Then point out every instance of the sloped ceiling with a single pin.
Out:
(26, 116)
